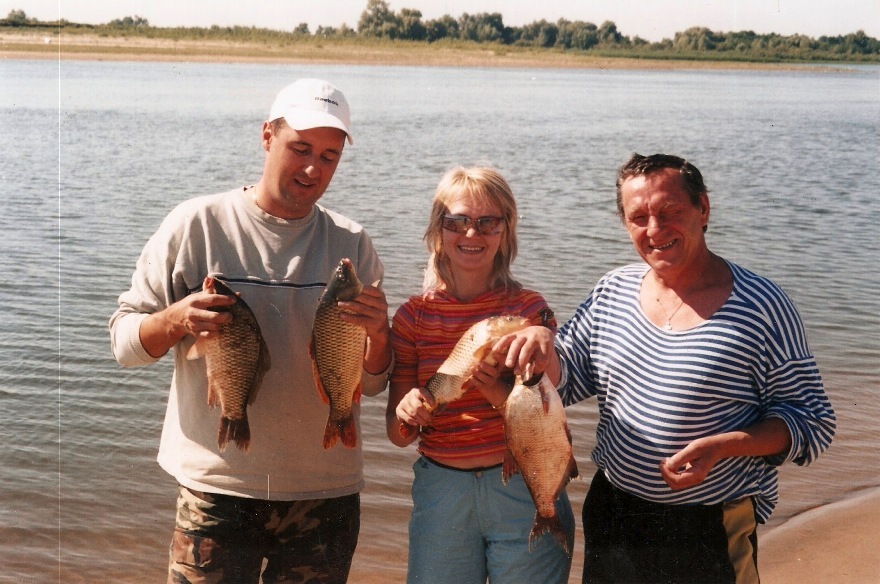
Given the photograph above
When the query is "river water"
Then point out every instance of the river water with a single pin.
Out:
(94, 154)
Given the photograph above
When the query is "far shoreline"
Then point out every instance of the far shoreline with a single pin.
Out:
(91, 47)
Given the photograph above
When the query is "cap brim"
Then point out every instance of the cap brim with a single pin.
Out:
(306, 120)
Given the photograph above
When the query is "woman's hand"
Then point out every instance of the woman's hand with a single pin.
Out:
(416, 408)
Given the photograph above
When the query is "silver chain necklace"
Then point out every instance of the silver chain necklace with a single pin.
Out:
(669, 317)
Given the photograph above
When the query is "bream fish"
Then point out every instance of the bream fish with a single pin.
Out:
(539, 447)
(236, 359)
(473, 347)
(337, 351)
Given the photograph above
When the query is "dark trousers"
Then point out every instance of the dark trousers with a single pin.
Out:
(632, 540)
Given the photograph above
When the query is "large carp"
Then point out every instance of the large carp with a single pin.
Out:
(236, 358)
(473, 347)
(539, 447)
(337, 351)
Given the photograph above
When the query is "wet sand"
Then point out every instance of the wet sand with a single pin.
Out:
(834, 543)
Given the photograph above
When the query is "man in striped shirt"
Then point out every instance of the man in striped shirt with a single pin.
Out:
(705, 384)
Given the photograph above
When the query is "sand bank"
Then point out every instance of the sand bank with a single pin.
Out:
(32, 45)
(836, 543)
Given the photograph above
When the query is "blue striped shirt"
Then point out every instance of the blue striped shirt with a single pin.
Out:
(659, 390)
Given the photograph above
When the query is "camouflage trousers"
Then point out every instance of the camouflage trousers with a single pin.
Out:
(220, 539)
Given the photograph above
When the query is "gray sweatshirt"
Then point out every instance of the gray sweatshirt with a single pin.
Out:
(280, 268)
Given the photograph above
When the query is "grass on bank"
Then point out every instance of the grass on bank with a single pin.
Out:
(244, 43)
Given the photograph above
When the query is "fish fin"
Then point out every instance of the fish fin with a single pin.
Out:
(356, 397)
(406, 430)
(509, 467)
(553, 526)
(483, 353)
(239, 431)
(213, 395)
(572, 471)
(197, 351)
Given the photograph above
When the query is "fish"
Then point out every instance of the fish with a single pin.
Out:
(337, 351)
(539, 447)
(474, 346)
(236, 359)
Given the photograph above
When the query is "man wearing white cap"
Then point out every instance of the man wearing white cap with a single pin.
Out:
(286, 499)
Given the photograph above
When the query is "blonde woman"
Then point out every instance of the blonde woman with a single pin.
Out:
(466, 526)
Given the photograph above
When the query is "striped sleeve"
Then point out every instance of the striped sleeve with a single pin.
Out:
(573, 345)
(792, 387)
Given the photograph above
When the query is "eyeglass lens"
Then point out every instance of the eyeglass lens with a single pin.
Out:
(461, 223)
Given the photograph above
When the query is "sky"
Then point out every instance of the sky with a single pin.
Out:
(652, 20)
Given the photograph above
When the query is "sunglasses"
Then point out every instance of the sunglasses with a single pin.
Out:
(487, 225)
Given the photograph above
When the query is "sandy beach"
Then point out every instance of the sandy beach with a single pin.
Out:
(835, 543)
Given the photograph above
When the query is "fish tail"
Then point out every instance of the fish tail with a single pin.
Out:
(239, 431)
(553, 526)
(406, 430)
(331, 434)
(344, 429)
(349, 432)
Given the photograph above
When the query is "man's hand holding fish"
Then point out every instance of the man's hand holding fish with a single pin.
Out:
(370, 310)
(192, 315)
(529, 352)
(273, 246)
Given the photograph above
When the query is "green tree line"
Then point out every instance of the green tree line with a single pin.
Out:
(378, 21)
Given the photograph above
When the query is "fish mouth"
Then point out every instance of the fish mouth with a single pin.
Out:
(533, 380)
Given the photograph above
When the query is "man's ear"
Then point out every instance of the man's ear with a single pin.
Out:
(266, 134)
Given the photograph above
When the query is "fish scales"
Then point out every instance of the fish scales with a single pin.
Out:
(539, 447)
(236, 360)
(337, 352)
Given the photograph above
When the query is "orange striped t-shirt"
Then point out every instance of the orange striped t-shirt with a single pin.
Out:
(424, 331)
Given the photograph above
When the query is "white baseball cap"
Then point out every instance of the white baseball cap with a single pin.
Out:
(312, 103)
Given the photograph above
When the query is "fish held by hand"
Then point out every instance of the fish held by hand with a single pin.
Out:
(474, 346)
(337, 352)
(539, 447)
(236, 360)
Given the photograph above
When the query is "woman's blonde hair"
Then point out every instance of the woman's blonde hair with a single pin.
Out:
(484, 186)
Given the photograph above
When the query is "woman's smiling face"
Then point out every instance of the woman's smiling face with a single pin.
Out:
(472, 253)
